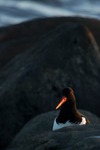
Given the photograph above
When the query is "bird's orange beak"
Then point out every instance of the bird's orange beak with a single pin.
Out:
(64, 99)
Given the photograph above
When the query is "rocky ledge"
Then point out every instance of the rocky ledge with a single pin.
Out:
(37, 134)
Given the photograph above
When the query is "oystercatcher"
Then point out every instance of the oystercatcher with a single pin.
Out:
(68, 115)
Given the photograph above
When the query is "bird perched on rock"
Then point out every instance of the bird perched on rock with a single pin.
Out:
(68, 115)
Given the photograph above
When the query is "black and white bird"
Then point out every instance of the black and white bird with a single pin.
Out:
(68, 115)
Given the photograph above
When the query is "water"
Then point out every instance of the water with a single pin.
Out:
(16, 11)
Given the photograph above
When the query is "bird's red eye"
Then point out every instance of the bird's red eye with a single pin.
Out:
(70, 93)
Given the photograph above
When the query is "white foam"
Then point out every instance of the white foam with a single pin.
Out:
(40, 7)
(15, 11)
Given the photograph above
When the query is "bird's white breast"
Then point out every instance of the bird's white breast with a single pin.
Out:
(57, 126)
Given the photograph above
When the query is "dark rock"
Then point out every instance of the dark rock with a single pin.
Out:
(31, 83)
(89, 143)
(19, 38)
(37, 134)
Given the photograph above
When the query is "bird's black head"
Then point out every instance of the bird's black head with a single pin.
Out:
(67, 91)
(68, 97)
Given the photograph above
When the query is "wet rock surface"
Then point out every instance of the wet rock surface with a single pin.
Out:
(38, 134)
